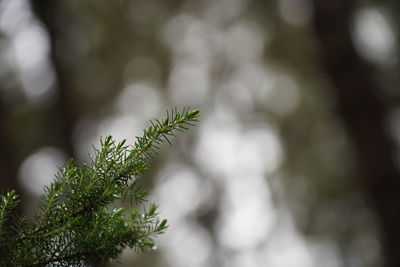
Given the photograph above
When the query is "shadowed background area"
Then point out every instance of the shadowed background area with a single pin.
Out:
(295, 161)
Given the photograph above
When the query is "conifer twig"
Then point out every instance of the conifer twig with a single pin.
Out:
(75, 223)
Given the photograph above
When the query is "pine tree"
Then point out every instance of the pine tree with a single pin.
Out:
(76, 225)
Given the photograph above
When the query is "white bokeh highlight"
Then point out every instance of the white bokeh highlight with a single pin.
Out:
(29, 50)
(40, 168)
(374, 37)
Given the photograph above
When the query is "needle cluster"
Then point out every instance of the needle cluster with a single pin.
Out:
(76, 225)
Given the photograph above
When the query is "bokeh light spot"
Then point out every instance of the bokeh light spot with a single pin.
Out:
(39, 169)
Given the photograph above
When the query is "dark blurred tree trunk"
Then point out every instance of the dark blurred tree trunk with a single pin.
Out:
(64, 115)
(9, 161)
(364, 116)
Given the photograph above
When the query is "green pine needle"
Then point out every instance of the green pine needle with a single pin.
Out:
(76, 226)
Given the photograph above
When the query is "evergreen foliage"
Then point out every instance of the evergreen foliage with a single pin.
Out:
(76, 225)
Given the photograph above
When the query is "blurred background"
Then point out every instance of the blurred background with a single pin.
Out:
(295, 161)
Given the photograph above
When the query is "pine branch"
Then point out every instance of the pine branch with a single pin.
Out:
(75, 224)
(8, 203)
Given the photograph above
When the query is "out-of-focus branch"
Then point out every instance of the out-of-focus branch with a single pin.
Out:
(364, 116)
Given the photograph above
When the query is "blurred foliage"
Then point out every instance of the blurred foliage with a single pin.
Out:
(250, 66)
